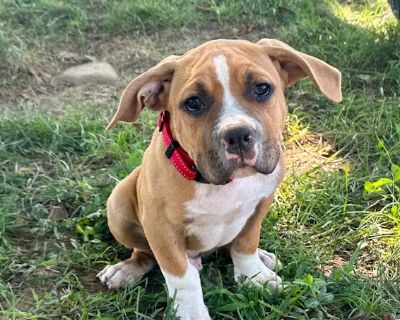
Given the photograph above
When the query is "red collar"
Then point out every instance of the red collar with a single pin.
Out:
(178, 156)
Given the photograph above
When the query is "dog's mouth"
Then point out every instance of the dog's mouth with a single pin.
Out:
(223, 173)
(243, 170)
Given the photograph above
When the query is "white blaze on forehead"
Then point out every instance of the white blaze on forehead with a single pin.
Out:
(222, 70)
(230, 106)
(232, 113)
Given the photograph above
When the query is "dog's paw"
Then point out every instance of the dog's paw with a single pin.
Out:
(118, 275)
(256, 269)
(192, 311)
(269, 260)
(259, 277)
(187, 293)
(266, 276)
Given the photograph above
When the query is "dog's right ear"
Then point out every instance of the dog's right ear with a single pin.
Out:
(150, 89)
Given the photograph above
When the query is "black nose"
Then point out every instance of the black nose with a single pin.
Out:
(239, 140)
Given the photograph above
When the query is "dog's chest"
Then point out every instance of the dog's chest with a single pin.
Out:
(218, 213)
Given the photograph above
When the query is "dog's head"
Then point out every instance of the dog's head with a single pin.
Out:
(226, 100)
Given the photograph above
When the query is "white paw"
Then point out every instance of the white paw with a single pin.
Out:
(269, 260)
(265, 276)
(255, 270)
(191, 311)
(186, 290)
(117, 275)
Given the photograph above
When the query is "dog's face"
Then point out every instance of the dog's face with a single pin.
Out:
(226, 102)
(228, 110)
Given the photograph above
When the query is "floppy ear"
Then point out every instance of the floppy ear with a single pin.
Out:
(150, 89)
(294, 65)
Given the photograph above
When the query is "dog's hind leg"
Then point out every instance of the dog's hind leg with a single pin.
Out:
(124, 224)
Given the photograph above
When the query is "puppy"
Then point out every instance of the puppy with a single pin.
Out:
(212, 166)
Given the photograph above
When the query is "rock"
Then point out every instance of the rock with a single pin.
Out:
(92, 72)
(57, 213)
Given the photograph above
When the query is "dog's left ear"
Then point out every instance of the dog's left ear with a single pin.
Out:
(293, 65)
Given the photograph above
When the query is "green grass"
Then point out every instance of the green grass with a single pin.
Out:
(336, 231)
(30, 28)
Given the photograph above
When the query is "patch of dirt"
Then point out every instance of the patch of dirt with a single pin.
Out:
(310, 153)
(336, 262)
(377, 257)
(129, 55)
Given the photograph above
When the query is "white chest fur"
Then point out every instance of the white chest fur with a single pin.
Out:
(218, 213)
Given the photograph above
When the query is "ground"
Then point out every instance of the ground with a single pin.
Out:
(335, 222)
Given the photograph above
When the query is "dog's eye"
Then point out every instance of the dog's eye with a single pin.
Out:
(262, 91)
(194, 105)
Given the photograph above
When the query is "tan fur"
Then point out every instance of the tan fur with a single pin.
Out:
(146, 209)
(248, 239)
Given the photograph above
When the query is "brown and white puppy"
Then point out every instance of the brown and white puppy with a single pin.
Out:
(227, 110)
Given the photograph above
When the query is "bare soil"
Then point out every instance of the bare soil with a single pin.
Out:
(130, 55)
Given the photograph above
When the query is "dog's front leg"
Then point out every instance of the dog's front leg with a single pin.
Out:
(182, 278)
(188, 294)
(254, 264)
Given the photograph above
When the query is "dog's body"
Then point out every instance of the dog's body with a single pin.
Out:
(226, 108)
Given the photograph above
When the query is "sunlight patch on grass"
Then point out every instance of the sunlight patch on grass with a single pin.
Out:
(375, 15)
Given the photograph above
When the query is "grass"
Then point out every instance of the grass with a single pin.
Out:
(29, 28)
(334, 225)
